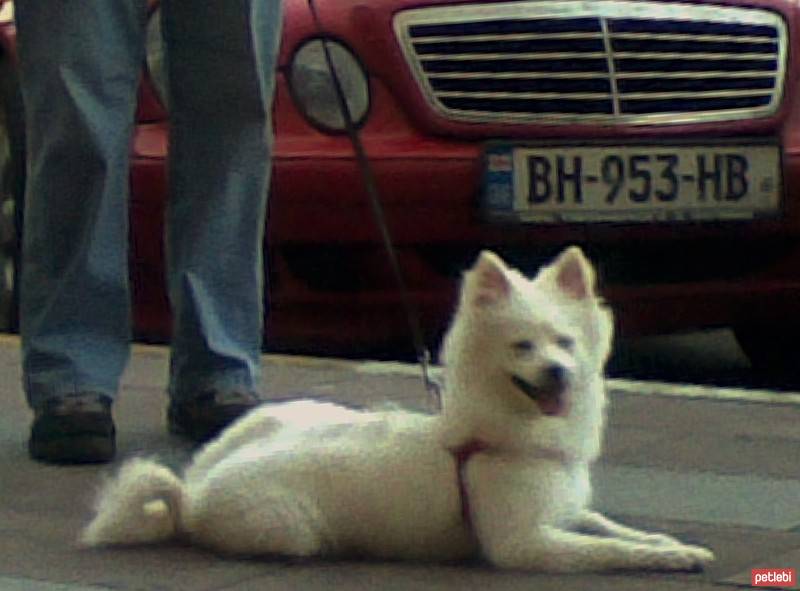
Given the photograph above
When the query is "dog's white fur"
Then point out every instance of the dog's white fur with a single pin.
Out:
(309, 478)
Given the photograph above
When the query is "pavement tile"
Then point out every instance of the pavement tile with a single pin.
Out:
(687, 434)
(19, 584)
(402, 577)
(693, 415)
(42, 554)
(704, 497)
(787, 560)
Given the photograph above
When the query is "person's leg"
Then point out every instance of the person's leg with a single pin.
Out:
(80, 63)
(221, 60)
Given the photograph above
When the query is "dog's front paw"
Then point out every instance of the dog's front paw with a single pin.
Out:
(702, 556)
(685, 557)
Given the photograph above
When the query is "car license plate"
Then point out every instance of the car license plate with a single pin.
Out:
(642, 183)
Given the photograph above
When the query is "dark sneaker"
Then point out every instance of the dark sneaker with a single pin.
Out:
(75, 429)
(208, 413)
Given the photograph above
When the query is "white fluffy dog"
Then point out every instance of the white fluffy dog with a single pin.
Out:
(502, 472)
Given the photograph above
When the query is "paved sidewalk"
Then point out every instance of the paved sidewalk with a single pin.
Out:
(722, 471)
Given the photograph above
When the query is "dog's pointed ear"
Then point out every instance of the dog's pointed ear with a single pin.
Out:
(574, 274)
(488, 282)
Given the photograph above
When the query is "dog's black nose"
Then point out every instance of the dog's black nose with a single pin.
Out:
(556, 373)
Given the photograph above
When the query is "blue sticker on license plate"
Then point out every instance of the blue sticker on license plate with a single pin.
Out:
(498, 194)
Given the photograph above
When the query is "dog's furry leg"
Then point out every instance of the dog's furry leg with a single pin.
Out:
(280, 523)
(596, 523)
(554, 550)
(142, 504)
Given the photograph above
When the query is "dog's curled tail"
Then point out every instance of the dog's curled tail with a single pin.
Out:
(140, 505)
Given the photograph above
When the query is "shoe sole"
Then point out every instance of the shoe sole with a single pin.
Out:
(74, 449)
(202, 429)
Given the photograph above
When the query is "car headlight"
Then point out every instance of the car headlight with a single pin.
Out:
(313, 89)
(156, 54)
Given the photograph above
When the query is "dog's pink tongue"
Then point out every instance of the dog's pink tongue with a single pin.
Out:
(552, 404)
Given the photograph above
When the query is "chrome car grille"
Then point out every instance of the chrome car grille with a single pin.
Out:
(602, 61)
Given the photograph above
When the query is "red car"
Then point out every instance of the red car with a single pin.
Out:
(661, 136)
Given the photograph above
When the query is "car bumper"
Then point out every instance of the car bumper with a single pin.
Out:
(330, 285)
(328, 261)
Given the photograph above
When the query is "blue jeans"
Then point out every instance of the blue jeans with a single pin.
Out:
(80, 63)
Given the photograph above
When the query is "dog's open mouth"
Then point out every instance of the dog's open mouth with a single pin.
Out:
(549, 397)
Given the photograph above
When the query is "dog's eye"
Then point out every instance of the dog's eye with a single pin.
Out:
(523, 346)
(566, 343)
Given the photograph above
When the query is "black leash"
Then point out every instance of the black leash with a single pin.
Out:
(412, 315)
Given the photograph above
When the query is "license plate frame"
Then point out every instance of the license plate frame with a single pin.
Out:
(752, 191)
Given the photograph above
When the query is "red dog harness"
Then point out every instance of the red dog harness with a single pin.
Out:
(462, 454)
